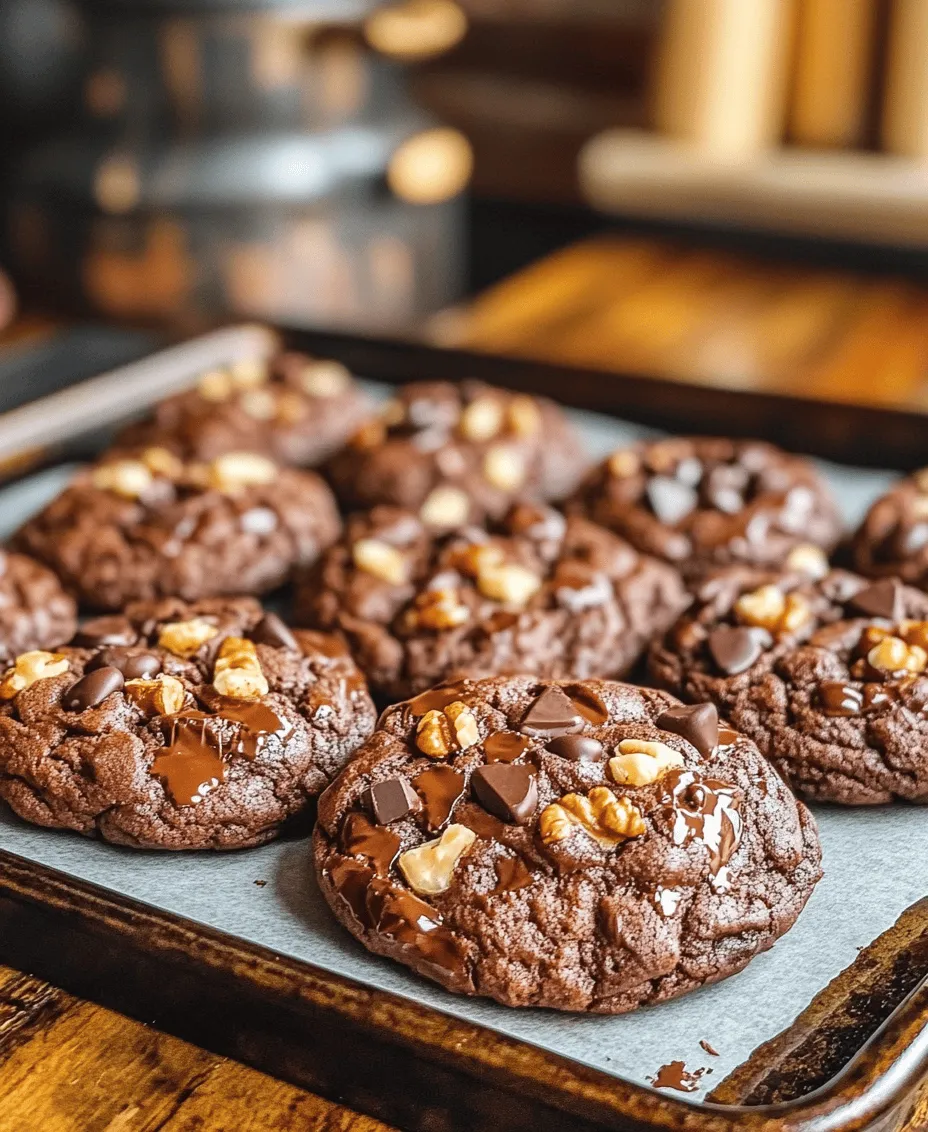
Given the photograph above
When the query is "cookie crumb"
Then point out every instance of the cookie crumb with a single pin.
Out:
(709, 1049)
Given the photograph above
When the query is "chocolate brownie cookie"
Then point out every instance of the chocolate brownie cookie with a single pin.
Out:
(828, 677)
(702, 503)
(294, 409)
(892, 541)
(136, 528)
(35, 612)
(559, 597)
(459, 453)
(590, 846)
(179, 726)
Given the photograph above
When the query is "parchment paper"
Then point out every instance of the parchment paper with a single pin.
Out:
(874, 869)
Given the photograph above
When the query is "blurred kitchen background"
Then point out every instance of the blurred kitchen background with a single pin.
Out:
(732, 192)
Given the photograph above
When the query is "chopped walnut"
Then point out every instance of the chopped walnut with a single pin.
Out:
(439, 609)
(524, 416)
(30, 667)
(504, 468)
(238, 671)
(369, 435)
(441, 732)
(324, 379)
(641, 762)
(481, 419)
(184, 638)
(893, 655)
(445, 507)
(162, 462)
(381, 560)
(236, 470)
(215, 386)
(607, 819)
(164, 695)
(508, 583)
(127, 478)
(914, 633)
(429, 868)
(248, 373)
(474, 557)
(769, 608)
(808, 560)
(624, 463)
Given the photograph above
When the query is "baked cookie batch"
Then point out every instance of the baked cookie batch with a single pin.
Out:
(518, 823)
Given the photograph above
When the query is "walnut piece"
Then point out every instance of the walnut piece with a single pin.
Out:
(184, 638)
(893, 655)
(769, 608)
(445, 507)
(236, 470)
(482, 419)
(237, 671)
(914, 633)
(164, 695)
(508, 583)
(248, 373)
(504, 468)
(259, 404)
(439, 609)
(429, 868)
(607, 819)
(452, 729)
(524, 416)
(127, 478)
(474, 557)
(641, 762)
(809, 560)
(324, 379)
(215, 386)
(163, 462)
(381, 560)
(624, 463)
(28, 668)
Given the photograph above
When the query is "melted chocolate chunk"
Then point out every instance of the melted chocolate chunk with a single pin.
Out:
(434, 699)
(670, 500)
(100, 631)
(191, 764)
(390, 800)
(735, 649)
(705, 810)
(360, 837)
(505, 746)
(92, 689)
(839, 699)
(134, 664)
(440, 788)
(553, 713)
(577, 748)
(698, 725)
(506, 790)
(272, 631)
(882, 599)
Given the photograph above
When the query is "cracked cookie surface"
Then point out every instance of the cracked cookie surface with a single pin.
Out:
(203, 725)
(828, 677)
(35, 612)
(586, 846)
(703, 503)
(562, 598)
(147, 526)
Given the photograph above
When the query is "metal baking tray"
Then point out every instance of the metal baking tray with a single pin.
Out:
(238, 952)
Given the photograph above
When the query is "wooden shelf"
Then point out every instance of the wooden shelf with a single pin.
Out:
(857, 196)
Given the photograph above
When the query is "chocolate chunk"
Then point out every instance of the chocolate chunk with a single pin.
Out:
(390, 800)
(133, 665)
(670, 499)
(506, 790)
(577, 748)
(699, 725)
(553, 713)
(270, 630)
(734, 650)
(882, 599)
(106, 631)
(92, 689)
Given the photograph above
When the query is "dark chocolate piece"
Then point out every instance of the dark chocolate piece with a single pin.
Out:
(272, 631)
(735, 649)
(882, 599)
(93, 689)
(116, 630)
(577, 748)
(390, 800)
(553, 713)
(506, 790)
(698, 725)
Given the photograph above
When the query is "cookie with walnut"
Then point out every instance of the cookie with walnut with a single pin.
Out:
(703, 503)
(459, 453)
(294, 409)
(146, 526)
(179, 726)
(828, 676)
(561, 597)
(892, 540)
(590, 846)
(35, 612)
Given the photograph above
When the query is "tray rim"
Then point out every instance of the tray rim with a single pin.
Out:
(881, 1077)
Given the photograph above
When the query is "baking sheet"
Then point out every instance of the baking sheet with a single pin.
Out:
(869, 881)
